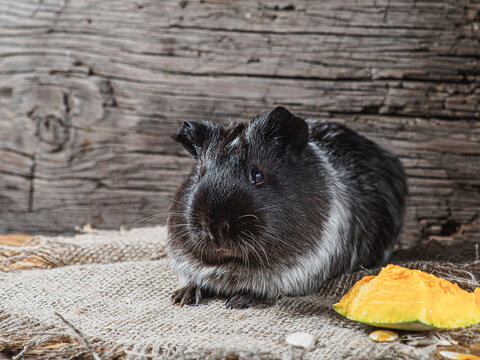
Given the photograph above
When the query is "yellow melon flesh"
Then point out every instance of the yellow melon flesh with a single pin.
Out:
(401, 298)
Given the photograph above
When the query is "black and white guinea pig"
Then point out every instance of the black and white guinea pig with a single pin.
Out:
(277, 206)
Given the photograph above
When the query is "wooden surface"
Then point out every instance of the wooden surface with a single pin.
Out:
(90, 91)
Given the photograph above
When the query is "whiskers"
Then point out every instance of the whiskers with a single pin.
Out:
(248, 215)
(255, 251)
(159, 218)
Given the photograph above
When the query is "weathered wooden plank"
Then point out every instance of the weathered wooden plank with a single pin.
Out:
(90, 91)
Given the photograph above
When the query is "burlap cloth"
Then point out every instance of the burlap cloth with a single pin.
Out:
(107, 294)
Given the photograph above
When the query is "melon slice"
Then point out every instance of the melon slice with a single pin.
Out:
(400, 298)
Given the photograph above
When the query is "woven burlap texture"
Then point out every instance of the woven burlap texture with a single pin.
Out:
(107, 294)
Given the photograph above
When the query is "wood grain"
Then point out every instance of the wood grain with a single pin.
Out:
(91, 90)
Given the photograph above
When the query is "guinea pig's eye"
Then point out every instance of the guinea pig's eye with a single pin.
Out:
(256, 175)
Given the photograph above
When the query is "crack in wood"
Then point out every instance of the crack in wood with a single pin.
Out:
(17, 152)
(32, 185)
(304, 32)
(66, 103)
(400, 114)
(338, 79)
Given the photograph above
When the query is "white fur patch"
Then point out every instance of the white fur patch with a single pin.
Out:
(235, 142)
(314, 268)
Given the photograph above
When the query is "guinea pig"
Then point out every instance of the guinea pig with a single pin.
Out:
(279, 205)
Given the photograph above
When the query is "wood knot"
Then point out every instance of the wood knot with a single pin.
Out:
(52, 131)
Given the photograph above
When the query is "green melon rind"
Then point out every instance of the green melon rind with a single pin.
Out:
(412, 325)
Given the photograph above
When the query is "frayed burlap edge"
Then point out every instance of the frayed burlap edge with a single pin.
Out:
(41, 252)
(24, 338)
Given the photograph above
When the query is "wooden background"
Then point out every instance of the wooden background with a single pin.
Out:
(90, 91)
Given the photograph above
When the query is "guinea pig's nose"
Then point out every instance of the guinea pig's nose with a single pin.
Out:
(224, 228)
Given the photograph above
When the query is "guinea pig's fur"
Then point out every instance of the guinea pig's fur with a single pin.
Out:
(279, 205)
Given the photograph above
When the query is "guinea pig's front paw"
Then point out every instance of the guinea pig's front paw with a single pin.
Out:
(243, 301)
(187, 295)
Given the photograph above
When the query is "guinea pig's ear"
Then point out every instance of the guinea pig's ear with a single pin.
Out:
(193, 136)
(285, 128)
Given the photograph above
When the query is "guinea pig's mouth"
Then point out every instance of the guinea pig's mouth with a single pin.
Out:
(224, 257)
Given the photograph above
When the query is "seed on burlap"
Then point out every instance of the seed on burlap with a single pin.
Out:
(383, 336)
(302, 339)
